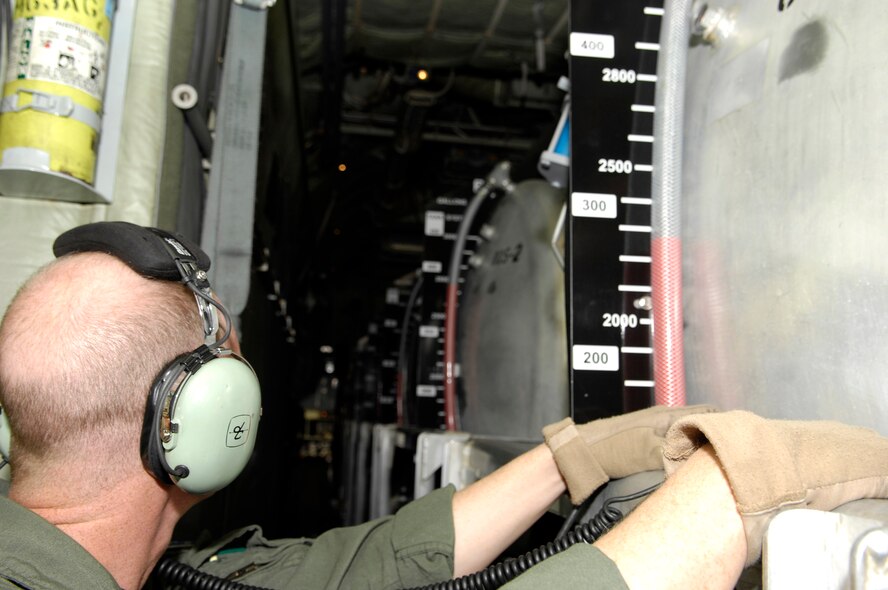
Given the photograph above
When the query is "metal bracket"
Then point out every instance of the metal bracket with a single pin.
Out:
(227, 234)
(430, 453)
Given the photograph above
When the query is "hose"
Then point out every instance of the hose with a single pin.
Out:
(497, 179)
(450, 308)
(669, 379)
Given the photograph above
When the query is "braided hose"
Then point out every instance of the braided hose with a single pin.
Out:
(497, 179)
(451, 307)
(666, 190)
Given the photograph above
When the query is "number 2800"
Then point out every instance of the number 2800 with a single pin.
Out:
(618, 75)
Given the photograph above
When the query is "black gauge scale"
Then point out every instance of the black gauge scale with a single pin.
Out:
(613, 65)
(389, 348)
(425, 400)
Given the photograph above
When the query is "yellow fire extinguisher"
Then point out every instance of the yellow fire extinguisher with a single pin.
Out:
(51, 111)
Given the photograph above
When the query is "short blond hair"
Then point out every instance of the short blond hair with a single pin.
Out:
(80, 346)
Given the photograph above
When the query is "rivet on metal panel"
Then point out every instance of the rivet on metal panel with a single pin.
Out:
(646, 303)
(184, 96)
(487, 231)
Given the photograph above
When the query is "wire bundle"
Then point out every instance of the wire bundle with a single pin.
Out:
(172, 573)
(501, 573)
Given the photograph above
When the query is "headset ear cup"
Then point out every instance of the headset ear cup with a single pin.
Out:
(5, 435)
(215, 414)
(150, 443)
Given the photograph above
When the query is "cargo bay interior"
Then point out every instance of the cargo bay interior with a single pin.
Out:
(444, 224)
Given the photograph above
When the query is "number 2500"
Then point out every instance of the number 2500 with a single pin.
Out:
(614, 166)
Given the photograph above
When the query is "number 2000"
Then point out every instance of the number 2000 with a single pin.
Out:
(619, 320)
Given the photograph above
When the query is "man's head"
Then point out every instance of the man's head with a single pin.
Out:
(80, 346)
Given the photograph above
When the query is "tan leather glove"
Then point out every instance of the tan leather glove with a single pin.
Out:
(776, 465)
(590, 454)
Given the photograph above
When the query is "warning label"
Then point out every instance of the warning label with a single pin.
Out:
(47, 49)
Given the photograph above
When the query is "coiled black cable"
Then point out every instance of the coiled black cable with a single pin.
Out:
(172, 573)
(499, 574)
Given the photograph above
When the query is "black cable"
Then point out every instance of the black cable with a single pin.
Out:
(172, 573)
(402, 349)
(499, 574)
(574, 516)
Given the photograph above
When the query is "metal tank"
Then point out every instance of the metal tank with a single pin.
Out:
(785, 209)
(511, 339)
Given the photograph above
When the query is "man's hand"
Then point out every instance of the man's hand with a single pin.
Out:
(590, 454)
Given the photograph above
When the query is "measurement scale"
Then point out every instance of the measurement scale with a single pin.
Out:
(613, 65)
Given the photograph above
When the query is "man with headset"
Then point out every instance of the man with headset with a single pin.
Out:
(127, 409)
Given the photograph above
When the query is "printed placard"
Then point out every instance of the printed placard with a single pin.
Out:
(596, 358)
(593, 205)
(592, 45)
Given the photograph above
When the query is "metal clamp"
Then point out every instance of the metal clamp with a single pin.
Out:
(51, 104)
(256, 4)
(500, 177)
(556, 236)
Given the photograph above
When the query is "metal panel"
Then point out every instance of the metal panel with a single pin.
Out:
(228, 218)
(814, 549)
(512, 341)
(784, 224)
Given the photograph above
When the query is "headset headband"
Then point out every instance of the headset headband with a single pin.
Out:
(139, 247)
(152, 253)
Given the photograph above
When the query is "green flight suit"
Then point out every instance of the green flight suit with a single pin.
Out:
(412, 548)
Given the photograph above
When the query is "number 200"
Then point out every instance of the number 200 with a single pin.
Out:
(595, 358)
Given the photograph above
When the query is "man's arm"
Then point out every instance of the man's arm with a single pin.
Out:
(492, 512)
(686, 535)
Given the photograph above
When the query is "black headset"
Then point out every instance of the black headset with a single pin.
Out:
(4, 439)
(203, 409)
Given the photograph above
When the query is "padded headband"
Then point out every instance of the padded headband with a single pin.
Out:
(151, 252)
